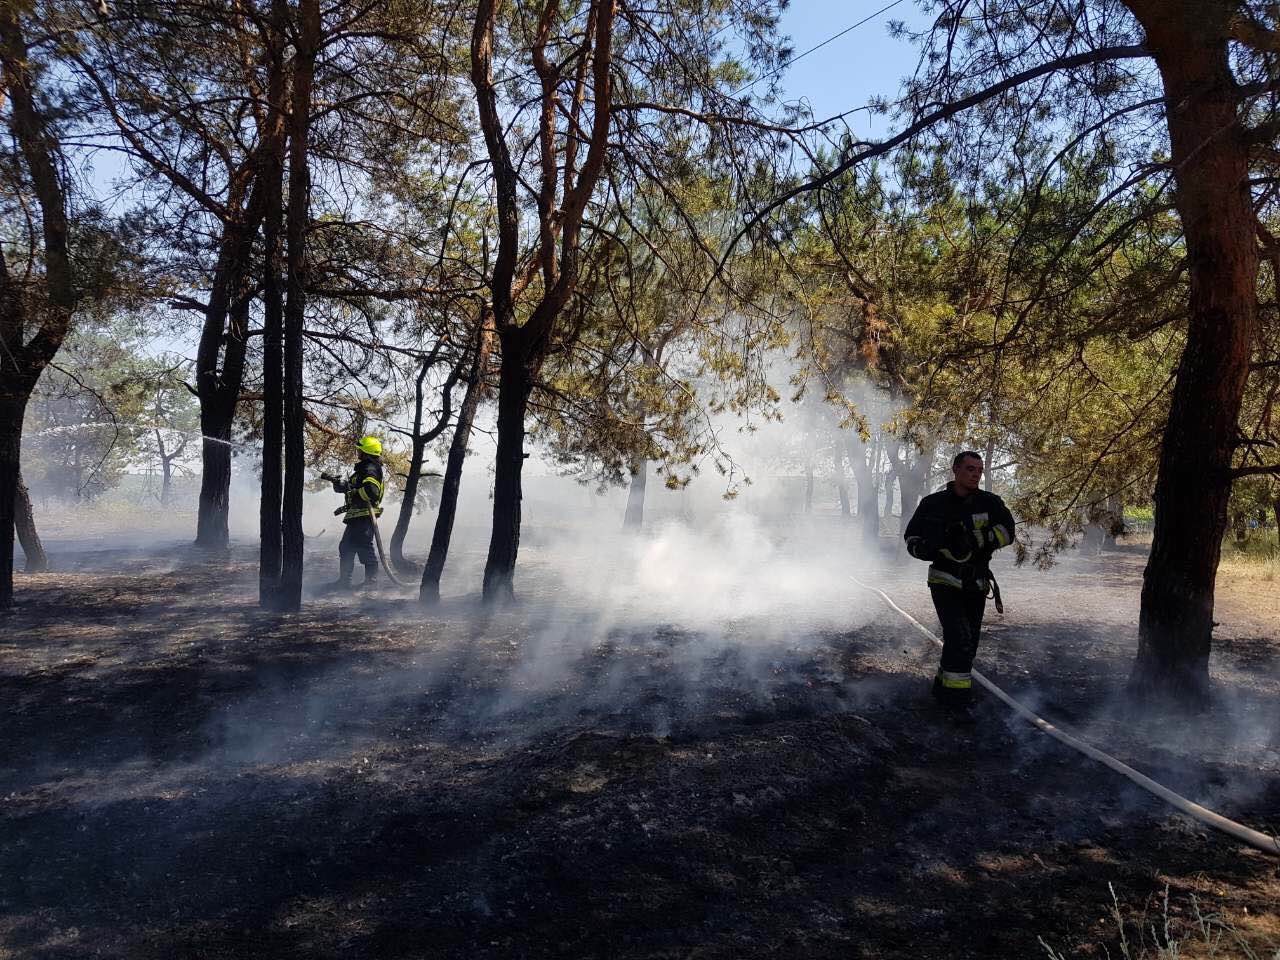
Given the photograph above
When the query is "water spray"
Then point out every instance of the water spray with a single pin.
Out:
(1254, 838)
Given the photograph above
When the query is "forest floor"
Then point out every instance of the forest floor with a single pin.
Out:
(183, 775)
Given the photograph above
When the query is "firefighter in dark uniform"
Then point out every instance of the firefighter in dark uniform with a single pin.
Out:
(363, 491)
(957, 530)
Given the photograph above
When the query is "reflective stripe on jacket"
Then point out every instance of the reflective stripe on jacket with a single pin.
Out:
(983, 515)
(364, 491)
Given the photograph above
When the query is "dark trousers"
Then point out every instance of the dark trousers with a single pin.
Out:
(960, 613)
(357, 541)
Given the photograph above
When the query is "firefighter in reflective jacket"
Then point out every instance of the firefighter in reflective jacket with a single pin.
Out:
(957, 530)
(363, 491)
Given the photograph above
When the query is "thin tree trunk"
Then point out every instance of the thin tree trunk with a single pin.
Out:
(987, 473)
(633, 519)
(219, 388)
(10, 455)
(1209, 157)
(418, 456)
(842, 489)
(25, 522)
(514, 386)
(912, 481)
(808, 484)
(270, 518)
(22, 360)
(414, 475)
(306, 44)
(868, 497)
(447, 512)
(166, 479)
(1115, 522)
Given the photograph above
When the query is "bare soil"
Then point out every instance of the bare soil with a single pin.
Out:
(185, 776)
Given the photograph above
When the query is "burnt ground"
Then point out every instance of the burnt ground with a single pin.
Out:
(185, 776)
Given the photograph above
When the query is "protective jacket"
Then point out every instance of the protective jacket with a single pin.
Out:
(363, 489)
(958, 535)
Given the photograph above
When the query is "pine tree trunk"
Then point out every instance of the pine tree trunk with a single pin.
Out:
(633, 519)
(292, 540)
(514, 386)
(271, 544)
(28, 536)
(270, 518)
(411, 482)
(215, 478)
(1209, 157)
(218, 388)
(808, 485)
(911, 483)
(429, 592)
(11, 413)
(166, 480)
(1115, 522)
(842, 489)
(868, 496)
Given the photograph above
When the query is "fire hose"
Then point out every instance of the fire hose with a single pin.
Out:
(382, 554)
(1239, 831)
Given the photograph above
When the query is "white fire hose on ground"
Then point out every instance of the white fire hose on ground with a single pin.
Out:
(1253, 838)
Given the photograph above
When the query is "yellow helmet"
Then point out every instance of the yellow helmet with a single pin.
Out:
(371, 446)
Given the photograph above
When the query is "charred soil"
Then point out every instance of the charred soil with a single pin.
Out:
(185, 776)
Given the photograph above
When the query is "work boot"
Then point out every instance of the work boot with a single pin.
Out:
(957, 704)
(370, 577)
(346, 566)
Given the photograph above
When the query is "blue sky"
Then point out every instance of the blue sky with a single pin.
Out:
(847, 72)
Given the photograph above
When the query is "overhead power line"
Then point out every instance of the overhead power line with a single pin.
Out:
(831, 39)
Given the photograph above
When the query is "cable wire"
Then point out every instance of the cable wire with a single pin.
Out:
(831, 39)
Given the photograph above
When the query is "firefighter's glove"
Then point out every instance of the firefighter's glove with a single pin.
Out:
(957, 543)
(921, 549)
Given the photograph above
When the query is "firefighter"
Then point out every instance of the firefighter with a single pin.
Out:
(363, 491)
(957, 530)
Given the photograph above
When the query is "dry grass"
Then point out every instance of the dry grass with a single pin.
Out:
(1188, 931)
(1257, 559)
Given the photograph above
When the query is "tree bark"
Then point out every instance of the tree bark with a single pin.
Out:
(808, 484)
(524, 348)
(270, 519)
(306, 44)
(868, 496)
(1115, 522)
(515, 383)
(166, 476)
(912, 481)
(28, 536)
(22, 360)
(1209, 153)
(10, 455)
(443, 533)
(224, 336)
(633, 519)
